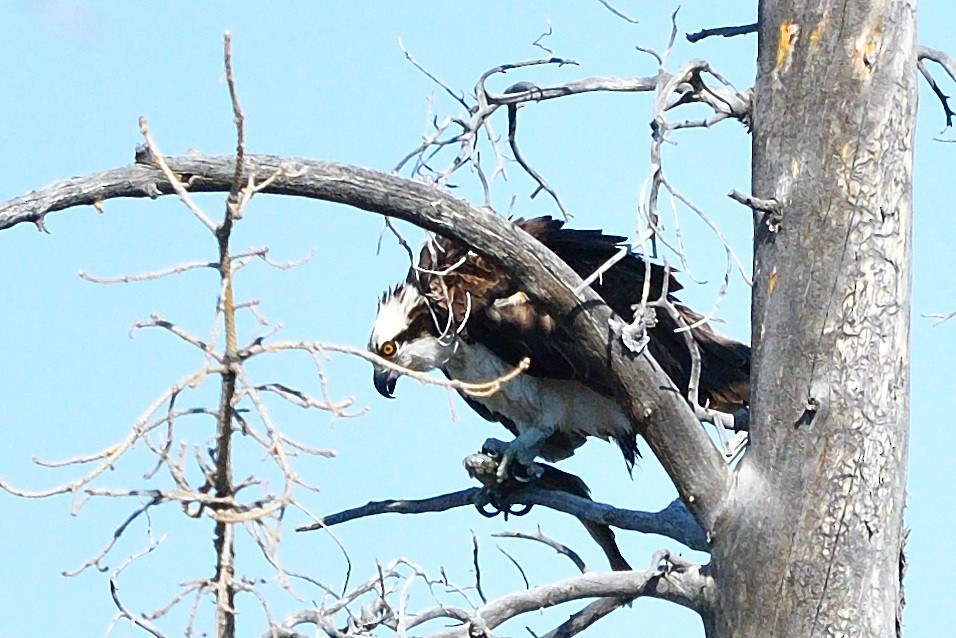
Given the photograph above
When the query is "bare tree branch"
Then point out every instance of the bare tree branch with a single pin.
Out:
(650, 398)
(440, 503)
(137, 620)
(684, 586)
(942, 58)
(726, 32)
(224, 583)
(586, 85)
(762, 205)
(674, 521)
(513, 143)
(771, 209)
(621, 15)
(560, 548)
(726, 103)
(586, 617)
(475, 389)
(949, 65)
(546, 34)
(669, 577)
(170, 175)
(941, 317)
(408, 56)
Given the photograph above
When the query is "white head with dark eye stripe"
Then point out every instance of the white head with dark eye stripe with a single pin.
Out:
(404, 333)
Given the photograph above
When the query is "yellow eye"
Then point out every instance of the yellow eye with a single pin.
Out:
(387, 349)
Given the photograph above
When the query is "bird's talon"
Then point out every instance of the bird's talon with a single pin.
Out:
(490, 504)
(494, 448)
(518, 512)
(487, 513)
(515, 460)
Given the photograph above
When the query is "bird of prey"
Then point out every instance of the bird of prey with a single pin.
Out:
(459, 312)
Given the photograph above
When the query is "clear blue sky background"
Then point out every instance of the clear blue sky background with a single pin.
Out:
(328, 80)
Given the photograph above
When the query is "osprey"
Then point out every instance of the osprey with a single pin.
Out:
(459, 312)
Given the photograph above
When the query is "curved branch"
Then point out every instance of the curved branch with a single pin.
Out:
(588, 616)
(674, 521)
(942, 58)
(558, 547)
(513, 143)
(684, 586)
(651, 400)
(949, 65)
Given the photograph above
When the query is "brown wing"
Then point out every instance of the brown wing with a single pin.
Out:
(499, 316)
(504, 321)
(559, 481)
(725, 363)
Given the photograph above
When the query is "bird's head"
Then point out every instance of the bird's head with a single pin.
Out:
(405, 333)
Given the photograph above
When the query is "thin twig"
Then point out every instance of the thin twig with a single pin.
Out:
(95, 560)
(941, 317)
(621, 15)
(943, 98)
(156, 274)
(408, 56)
(475, 389)
(160, 161)
(546, 34)
(513, 143)
(518, 566)
(136, 619)
(474, 560)
(237, 115)
(560, 548)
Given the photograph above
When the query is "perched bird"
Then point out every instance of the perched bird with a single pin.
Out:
(459, 312)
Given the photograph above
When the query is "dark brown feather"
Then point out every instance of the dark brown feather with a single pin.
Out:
(559, 481)
(513, 328)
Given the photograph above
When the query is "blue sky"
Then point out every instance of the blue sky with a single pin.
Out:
(329, 81)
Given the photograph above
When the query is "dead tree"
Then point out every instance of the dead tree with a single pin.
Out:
(810, 538)
(806, 532)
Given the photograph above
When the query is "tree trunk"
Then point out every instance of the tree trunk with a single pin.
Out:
(810, 541)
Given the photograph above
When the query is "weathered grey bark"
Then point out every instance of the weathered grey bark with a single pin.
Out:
(674, 521)
(809, 543)
(644, 390)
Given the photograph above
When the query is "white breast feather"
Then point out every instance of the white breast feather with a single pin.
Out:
(537, 401)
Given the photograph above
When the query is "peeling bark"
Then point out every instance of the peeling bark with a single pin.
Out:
(810, 542)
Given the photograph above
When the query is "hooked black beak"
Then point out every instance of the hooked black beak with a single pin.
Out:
(384, 380)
